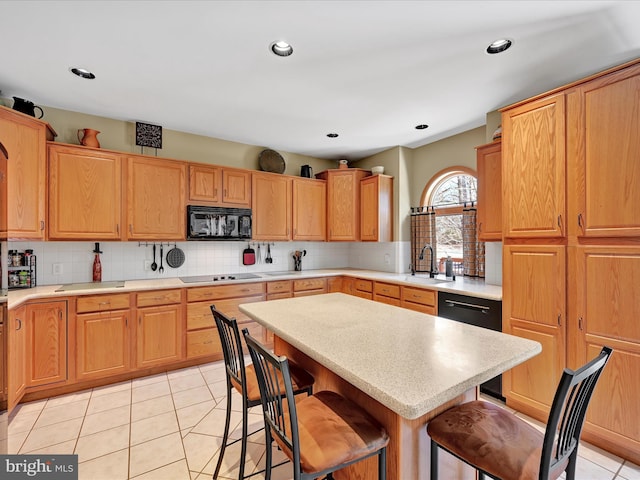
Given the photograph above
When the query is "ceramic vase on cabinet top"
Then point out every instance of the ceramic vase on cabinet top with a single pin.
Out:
(88, 137)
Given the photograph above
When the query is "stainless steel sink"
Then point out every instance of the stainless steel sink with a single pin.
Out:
(90, 286)
(219, 278)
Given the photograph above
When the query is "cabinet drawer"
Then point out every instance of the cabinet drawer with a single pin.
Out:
(278, 296)
(97, 303)
(387, 289)
(199, 316)
(203, 342)
(361, 294)
(279, 287)
(387, 300)
(306, 293)
(230, 307)
(310, 284)
(197, 294)
(363, 285)
(158, 297)
(418, 295)
(419, 307)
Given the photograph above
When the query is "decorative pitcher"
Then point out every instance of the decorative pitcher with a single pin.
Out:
(25, 106)
(89, 137)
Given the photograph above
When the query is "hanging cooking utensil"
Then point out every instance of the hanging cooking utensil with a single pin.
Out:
(268, 259)
(154, 265)
(248, 256)
(259, 255)
(175, 257)
(161, 269)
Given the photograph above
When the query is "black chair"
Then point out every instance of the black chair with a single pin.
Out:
(500, 445)
(321, 433)
(243, 379)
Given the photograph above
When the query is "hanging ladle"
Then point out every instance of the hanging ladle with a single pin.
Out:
(154, 265)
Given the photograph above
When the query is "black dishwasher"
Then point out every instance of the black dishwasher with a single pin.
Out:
(479, 312)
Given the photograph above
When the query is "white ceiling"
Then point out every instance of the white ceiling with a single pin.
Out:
(368, 70)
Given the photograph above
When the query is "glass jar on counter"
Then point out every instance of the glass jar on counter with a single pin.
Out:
(23, 278)
(14, 280)
(16, 259)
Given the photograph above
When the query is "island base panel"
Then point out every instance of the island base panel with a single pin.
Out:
(408, 453)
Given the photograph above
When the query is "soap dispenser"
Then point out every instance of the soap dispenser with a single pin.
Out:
(448, 267)
(97, 266)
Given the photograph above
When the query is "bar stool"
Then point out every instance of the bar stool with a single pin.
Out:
(243, 379)
(321, 433)
(500, 445)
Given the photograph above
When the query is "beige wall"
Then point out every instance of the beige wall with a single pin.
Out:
(120, 135)
(458, 150)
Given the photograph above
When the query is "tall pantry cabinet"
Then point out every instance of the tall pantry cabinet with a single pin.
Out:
(597, 230)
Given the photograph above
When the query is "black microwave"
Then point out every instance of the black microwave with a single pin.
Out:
(218, 223)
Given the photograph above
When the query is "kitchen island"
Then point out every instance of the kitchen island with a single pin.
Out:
(404, 367)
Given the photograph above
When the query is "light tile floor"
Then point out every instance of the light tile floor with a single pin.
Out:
(169, 427)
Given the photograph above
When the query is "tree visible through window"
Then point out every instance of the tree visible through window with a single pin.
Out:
(448, 192)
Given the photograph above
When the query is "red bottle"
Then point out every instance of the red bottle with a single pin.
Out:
(97, 266)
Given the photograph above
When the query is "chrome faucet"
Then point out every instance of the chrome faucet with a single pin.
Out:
(432, 273)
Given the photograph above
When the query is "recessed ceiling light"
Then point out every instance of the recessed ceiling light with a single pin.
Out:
(422, 126)
(83, 73)
(499, 46)
(332, 135)
(281, 48)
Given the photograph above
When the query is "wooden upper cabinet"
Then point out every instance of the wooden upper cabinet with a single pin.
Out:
(85, 194)
(489, 168)
(376, 208)
(309, 209)
(156, 190)
(534, 307)
(271, 206)
(213, 185)
(604, 155)
(534, 169)
(343, 203)
(25, 138)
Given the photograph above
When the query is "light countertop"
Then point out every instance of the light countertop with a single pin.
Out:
(463, 285)
(409, 361)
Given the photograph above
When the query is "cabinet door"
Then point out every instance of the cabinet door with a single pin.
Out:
(103, 344)
(85, 194)
(309, 210)
(489, 165)
(534, 306)
(604, 153)
(376, 216)
(205, 183)
(159, 335)
(607, 309)
(343, 204)
(17, 356)
(46, 343)
(271, 207)
(533, 172)
(25, 141)
(236, 188)
(155, 199)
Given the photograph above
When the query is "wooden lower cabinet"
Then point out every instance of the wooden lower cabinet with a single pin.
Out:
(17, 356)
(534, 307)
(279, 289)
(387, 293)
(159, 329)
(46, 330)
(103, 336)
(604, 310)
(202, 335)
(309, 286)
(420, 300)
(363, 288)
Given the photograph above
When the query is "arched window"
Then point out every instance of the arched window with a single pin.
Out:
(451, 195)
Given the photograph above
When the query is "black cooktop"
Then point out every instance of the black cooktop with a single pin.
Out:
(219, 278)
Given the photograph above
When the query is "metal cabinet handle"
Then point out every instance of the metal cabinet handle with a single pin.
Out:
(473, 306)
(19, 324)
(580, 323)
(560, 222)
(559, 319)
(117, 229)
(41, 224)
